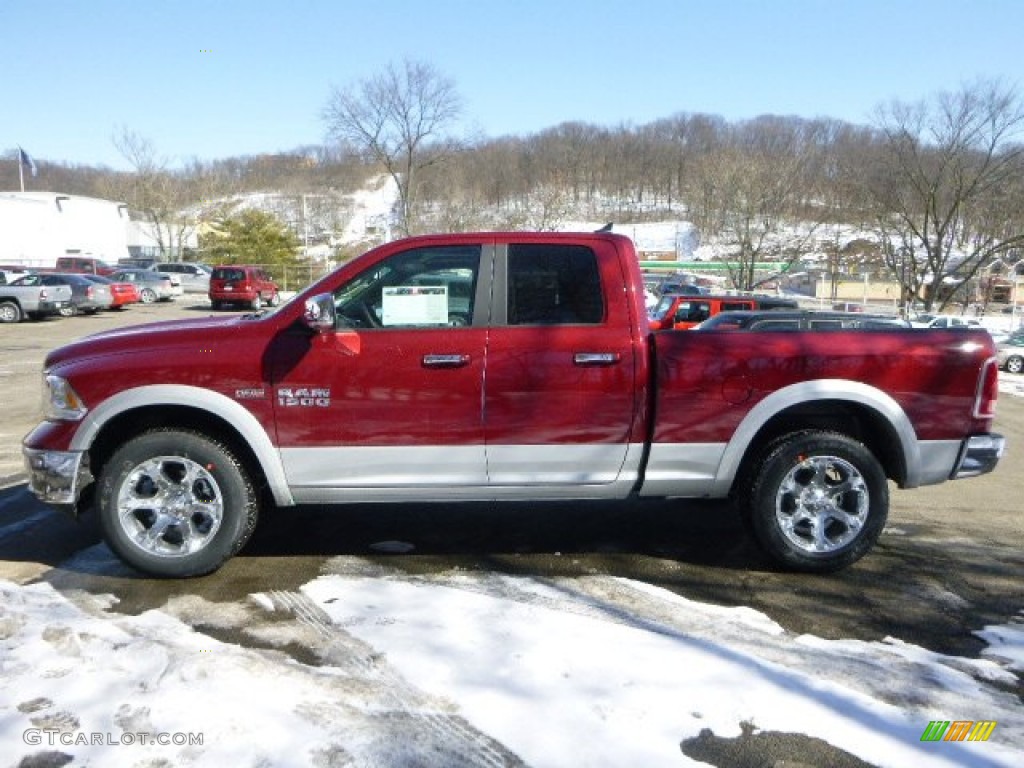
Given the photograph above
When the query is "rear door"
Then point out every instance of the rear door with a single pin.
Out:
(559, 394)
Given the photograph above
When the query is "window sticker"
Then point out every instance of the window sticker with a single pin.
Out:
(415, 305)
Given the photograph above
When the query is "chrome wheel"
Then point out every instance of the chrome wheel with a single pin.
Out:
(170, 506)
(815, 501)
(1014, 364)
(9, 312)
(148, 296)
(822, 504)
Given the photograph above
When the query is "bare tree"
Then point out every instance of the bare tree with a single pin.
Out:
(945, 172)
(399, 118)
(752, 188)
(159, 194)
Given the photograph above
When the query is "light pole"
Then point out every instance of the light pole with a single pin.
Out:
(902, 253)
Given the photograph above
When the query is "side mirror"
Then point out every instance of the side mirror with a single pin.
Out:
(319, 315)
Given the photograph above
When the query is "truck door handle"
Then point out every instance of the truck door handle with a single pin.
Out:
(445, 361)
(596, 358)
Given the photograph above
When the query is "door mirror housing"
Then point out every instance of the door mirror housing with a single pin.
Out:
(320, 315)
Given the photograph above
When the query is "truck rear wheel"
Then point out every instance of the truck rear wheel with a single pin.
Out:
(818, 501)
(175, 503)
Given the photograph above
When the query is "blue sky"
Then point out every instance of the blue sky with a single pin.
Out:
(213, 78)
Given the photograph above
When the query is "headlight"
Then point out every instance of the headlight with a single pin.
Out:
(60, 401)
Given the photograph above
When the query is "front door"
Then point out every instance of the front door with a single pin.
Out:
(391, 402)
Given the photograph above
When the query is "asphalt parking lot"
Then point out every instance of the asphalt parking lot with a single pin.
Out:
(949, 563)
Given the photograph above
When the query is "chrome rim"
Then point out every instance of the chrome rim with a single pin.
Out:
(822, 504)
(169, 506)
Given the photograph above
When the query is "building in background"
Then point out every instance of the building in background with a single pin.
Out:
(37, 228)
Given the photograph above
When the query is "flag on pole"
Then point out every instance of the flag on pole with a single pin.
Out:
(27, 162)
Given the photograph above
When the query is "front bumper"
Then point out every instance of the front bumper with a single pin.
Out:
(979, 455)
(57, 477)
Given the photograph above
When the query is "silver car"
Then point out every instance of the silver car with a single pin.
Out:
(86, 297)
(153, 286)
(194, 277)
(1010, 352)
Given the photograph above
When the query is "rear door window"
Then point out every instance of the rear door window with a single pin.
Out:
(552, 284)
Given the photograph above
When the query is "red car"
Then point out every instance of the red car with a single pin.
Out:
(242, 284)
(122, 294)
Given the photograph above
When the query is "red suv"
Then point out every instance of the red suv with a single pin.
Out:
(242, 284)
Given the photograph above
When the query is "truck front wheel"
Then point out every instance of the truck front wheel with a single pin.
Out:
(818, 501)
(175, 503)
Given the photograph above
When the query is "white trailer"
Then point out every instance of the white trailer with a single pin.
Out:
(37, 228)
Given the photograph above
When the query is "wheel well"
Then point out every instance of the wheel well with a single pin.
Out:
(132, 423)
(854, 420)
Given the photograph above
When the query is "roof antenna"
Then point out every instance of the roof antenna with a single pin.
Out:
(606, 228)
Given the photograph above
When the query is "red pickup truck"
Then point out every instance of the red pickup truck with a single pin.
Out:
(500, 366)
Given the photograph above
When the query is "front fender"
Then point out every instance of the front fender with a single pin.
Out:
(201, 399)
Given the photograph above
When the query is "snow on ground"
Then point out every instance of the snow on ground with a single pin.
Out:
(470, 669)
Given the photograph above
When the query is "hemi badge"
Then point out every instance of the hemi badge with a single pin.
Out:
(255, 393)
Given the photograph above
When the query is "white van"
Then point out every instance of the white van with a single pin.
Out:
(194, 277)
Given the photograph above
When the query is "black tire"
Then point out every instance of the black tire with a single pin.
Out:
(149, 516)
(1014, 364)
(275, 299)
(818, 501)
(257, 303)
(10, 312)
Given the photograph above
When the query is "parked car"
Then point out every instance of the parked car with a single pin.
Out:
(799, 320)
(1010, 352)
(121, 293)
(194, 278)
(242, 284)
(18, 301)
(86, 296)
(86, 264)
(682, 311)
(685, 289)
(140, 262)
(152, 286)
(944, 321)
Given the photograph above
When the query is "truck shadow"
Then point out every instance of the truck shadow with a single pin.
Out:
(705, 533)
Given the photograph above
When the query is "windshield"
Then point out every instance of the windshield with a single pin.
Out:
(662, 307)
